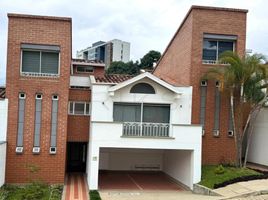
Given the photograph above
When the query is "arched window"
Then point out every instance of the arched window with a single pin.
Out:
(143, 88)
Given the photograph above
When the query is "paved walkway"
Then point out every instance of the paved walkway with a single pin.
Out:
(76, 187)
(243, 188)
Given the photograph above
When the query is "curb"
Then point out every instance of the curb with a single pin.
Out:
(203, 190)
(256, 193)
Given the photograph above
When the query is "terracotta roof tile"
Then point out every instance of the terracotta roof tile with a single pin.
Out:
(2, 92)
(112, 78)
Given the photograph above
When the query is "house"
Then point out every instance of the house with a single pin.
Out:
(202, 36)
(66, 115)
(107, 52)
(143, 122)
(3, 132)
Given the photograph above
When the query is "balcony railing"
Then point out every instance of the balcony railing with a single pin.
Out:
(143, 129)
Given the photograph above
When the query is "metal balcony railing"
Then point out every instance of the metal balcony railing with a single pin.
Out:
(145, 129)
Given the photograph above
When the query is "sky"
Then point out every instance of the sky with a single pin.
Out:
(146, 24)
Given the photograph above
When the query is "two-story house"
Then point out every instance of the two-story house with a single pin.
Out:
(66, 115)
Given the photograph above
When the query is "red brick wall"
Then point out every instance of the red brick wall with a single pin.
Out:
(98, 71)
(37, 30)
(188, 42)
(78, 126)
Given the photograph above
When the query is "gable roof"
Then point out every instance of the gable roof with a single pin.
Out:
(142, 76)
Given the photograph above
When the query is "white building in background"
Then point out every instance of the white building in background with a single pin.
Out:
(258, 147)
(3, 134)
(143, 123)
(107, 52)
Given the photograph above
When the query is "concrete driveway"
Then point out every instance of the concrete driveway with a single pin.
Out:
(152, 195)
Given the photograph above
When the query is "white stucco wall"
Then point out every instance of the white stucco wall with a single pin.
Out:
(3, 119)
(178, 164)
(102, 102)
(258, 147)
(2, 162)
(130, 159)
(82, 81)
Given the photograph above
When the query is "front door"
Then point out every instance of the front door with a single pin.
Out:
(76, 156)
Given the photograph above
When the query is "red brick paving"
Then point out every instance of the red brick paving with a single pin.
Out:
(136, 181)
(76, 187)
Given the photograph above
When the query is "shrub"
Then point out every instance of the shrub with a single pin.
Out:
(219, 170)
(94, 195)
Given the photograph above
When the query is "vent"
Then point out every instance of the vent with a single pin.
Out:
(38, 96)
(36, 150)
(203, 83)
(52, 150)
(19, 149)
(55, 97)
(216, 133)
(217, 84)
(231, 133)
(22, 95)
(147, 167)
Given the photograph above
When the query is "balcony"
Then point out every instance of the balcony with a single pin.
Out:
(138, 129)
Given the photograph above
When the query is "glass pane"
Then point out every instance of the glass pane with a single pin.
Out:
(71, 108)
(87, 108)
(30, 61)
(50, 62)
(225, 46)
(79, 108)
(143, 88)
(156, 113)
(209, 50)
(127, 112)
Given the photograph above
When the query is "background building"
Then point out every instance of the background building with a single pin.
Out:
(107, 52)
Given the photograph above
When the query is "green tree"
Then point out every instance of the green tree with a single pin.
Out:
(119, 67)
(148, 60)
(244, 80)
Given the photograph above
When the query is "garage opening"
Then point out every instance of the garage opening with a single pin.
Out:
(145, 169)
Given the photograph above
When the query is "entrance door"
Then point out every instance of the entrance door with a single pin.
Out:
(76, 156)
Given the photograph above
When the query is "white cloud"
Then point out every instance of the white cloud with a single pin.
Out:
(146, 24)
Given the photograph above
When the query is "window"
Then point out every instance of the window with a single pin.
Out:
(143, 88)
(203, 100)
(133, 112)
(54, 121)
(83, 69)
(40, 60)
(79, 108)
(20, 123)
(215, 45)
(38, 113)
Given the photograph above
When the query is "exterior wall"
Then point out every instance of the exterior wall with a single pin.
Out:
(78, 125)
(104, 133)
(258, 147)
(121, 50)
(128, 159)
(98, 71)
(48, 31)
(176, 165)
(3, 119)
(180, 110)
(3, 147)
(182, 64)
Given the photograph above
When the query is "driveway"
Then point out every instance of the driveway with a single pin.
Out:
(121, 180)
(152, 195)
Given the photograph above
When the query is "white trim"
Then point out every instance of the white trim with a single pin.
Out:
(21, 94)
(141, 76)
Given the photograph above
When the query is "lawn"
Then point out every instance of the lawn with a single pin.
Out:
(32, 191)
(211, 177)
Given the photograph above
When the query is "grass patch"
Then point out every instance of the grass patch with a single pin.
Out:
(94, 195)
(211, 175)
(31, 191)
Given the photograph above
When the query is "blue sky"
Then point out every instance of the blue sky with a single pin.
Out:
(146, 24)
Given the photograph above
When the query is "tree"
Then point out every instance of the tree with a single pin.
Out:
(119, 67)
(148, 60)
(243, 79)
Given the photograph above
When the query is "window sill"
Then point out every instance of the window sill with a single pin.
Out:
(33, 74)
(213, 62)
(79, 115)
